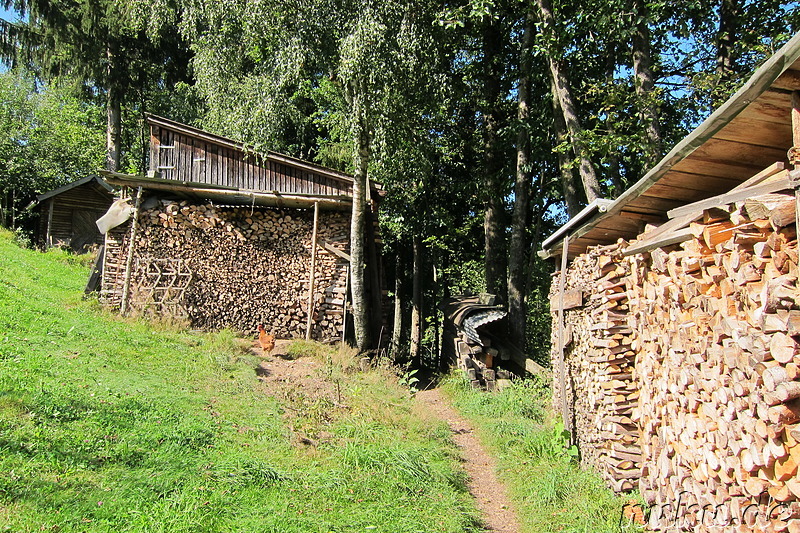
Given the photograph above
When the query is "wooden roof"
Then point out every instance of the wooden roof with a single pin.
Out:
(748, 133)
(98, 181)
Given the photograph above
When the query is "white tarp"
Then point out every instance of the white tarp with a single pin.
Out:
(119, 213)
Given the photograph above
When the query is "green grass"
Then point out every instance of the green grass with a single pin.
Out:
(116, 425)
(549, 490)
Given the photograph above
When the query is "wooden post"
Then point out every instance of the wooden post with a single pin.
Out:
(126, 284)
(562, 372)
(313, 271)
(48, 240)
(344, 301)
(794, 153)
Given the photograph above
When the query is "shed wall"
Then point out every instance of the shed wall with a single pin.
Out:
(187, 158)
(74, 214)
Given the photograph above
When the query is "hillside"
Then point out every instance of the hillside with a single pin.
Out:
(112, 425)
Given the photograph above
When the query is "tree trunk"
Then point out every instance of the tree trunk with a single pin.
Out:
(645, 82)
(416, 300)
(397, 325)
(558, 73)
(113, 116)
(728, 21)
(357, 233)
(517, 310)
(494, 234)
(568, 185)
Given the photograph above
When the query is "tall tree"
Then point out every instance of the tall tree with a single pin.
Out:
(517, 256)
(99, 42)
(645, 82)
(494, 120)
(561, 85)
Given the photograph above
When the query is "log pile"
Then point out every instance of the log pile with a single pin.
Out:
(599, 357)
(717, 322)
(479, 363)
(236, 267)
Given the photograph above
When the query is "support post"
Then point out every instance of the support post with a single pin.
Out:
(562, 371)
(794, 154)
(48, 240)
(126, 284)
(344, 302)
(312, 276)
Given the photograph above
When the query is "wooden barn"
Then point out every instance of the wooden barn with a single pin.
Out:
(67, 215)
(222, 236)
(676, 320)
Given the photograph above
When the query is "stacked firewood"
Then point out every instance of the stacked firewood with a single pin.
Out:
(600, 390)
(479, 362)
(247, 266)
(718, 320)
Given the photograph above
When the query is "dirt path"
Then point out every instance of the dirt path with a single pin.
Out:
(483, 483)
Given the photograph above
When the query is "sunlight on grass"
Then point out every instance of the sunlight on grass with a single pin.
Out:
(110, 424)
(549, 490)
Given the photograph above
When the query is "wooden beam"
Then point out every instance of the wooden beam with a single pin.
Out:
(126, 284)
(674, 237)
(312, 275)
(562, 371)
(335, 251)
(731, 197)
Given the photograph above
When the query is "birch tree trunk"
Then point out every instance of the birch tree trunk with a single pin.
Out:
(357, 231)
(558, 73)
(397, 323)
(517, 310)
(113, 115)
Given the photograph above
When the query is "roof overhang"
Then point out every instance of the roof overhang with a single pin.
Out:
(746, 134)
(69, 186)
(227, 195)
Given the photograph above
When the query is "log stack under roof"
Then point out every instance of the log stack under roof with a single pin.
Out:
(692, 344)
(598, 356)
(235, 267)
(717, 364)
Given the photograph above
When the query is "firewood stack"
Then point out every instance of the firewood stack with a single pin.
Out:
(717, 361)
(248, 266)
(599, 356)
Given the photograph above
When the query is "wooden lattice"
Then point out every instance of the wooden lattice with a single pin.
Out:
(161, 286)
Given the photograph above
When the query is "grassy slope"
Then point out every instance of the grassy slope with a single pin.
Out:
(110, 425)
(550, 491)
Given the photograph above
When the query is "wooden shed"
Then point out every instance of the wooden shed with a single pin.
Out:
(227, 237)
(676, 320)
(67, 215)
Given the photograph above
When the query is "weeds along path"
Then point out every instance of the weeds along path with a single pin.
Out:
(483, 483)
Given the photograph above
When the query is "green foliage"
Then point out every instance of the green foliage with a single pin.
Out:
(48, 138)
(112, 425)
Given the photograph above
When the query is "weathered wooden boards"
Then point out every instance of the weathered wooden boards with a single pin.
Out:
(716, 323)
(598, 354)
(247, 266)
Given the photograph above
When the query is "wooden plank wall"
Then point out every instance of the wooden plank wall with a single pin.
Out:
(181, 157)
(81, 199)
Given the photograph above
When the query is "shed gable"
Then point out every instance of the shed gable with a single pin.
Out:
(189, 155)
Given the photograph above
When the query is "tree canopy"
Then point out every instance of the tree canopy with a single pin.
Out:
(488, 121)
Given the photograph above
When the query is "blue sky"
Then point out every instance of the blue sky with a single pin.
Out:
(7, 14)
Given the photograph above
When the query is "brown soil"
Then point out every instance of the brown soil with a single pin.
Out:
(484, 485)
